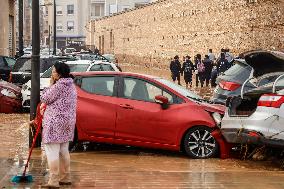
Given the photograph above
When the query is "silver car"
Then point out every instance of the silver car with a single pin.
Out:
(257, 116)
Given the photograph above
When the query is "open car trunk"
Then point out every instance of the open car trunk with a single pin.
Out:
(243, 107)
(262, 62)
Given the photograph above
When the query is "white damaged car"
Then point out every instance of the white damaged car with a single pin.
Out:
(257, 117)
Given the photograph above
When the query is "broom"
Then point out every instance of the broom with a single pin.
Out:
(27, 177)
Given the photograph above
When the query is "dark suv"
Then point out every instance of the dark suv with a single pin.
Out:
(21, 72)
(6, 65)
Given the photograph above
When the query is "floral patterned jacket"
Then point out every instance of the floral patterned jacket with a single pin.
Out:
(60, 115)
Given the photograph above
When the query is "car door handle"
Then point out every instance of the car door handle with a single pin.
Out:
(126, 106)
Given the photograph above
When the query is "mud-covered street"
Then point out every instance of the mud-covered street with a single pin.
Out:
(105, 166)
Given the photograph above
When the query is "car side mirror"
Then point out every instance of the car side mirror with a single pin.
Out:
(164, 101)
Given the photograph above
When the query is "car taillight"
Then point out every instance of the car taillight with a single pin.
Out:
(229, 86)
(271, 100)
(10, 78)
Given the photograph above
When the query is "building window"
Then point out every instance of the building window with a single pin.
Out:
(70, 9)
(98, 9)
(59, 10)
(70, 25)
(59, 26)
(112, 9)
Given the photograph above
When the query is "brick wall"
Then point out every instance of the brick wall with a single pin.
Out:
(157, 32)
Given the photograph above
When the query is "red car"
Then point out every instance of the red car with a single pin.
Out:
(146, 111)
(10, 98)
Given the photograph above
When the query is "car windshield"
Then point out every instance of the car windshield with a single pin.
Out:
(92, 57)
(73, 68)
(183, 91)
(19, 63)
(110, 57)
(238, 68)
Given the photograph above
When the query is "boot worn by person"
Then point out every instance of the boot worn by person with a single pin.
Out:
(53, 182)
(65, 179)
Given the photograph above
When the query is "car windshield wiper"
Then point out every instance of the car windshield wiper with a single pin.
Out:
(196, 99)
(200, 99)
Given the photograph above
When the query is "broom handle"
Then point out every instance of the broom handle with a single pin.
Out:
(32, 147)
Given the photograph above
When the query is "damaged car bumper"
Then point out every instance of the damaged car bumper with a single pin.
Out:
(244, 136)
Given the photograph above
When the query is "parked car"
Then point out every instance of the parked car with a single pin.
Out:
(10, 97)
(69, 51)
(47, 51)
(145, 111)
(230, 83)
(257, 116)
(75, 66)
(92, 57)
(111, 58)
(6, 65)
(28, 51)
(21, 72)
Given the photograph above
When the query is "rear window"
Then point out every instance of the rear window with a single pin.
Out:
(25, 65)
(102, 67)
(238, 69)
(73, 68)
(280, 84)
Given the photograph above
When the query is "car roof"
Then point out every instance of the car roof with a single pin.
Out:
(93, 73)
(79, 62)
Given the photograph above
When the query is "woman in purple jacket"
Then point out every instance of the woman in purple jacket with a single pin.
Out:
(59, 124)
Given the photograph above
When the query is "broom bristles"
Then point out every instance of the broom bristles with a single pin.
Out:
(21, 178)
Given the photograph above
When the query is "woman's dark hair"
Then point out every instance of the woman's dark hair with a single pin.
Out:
(62, 69)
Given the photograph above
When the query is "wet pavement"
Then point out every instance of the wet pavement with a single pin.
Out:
(116, 167)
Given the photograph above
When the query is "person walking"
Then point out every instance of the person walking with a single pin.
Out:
(229, 56)
(186, 71)
(175, 68)
(58, 125)
(200, 68)
(208, 69)
(222, 64)
(211, 55)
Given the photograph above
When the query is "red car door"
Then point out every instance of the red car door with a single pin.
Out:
(96, 109)
(140, 119)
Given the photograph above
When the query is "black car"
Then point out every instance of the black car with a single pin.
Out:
(230, 83)
(21, 72)
(6, 65)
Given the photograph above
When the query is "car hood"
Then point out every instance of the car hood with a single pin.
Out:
(264, 62)
(213, 108)
(7, 85)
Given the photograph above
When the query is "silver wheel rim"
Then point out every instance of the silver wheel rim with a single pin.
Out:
(201, 143)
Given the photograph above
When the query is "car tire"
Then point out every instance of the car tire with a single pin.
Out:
(198, 143)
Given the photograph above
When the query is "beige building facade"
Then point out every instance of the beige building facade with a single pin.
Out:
(7, 29)
(161, 30)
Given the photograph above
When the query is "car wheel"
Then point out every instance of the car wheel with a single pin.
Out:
(199, 143)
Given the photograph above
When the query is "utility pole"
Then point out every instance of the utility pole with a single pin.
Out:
(54, 28)
(49, 39)
(21, 28)
(35, 81)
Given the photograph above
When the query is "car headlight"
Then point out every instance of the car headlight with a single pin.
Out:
(217, 118)
(8, 93)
